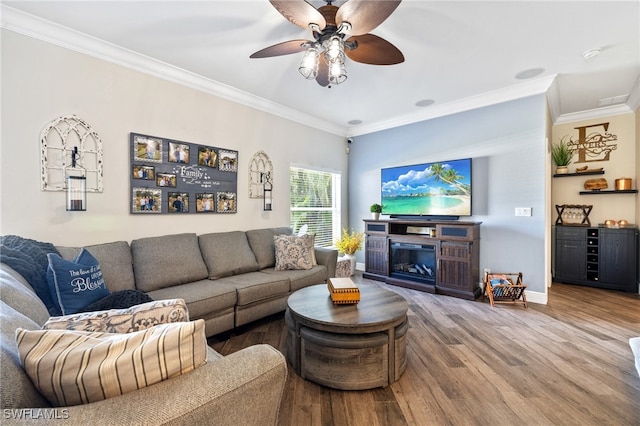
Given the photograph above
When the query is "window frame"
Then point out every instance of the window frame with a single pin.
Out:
(334, 209)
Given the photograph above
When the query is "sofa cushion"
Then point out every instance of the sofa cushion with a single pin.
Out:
(168, 260)
(227, 253)
(21, 297)
(136, 318)
(75, 284)
(301, 278)
(293, 252)
(77, 367)
(261, 242)
(202, 297)
(16, 389)
(256, 286)
(115, 262)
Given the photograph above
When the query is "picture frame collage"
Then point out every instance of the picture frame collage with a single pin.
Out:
(175, 177)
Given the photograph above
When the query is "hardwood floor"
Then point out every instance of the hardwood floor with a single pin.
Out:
(566, 363)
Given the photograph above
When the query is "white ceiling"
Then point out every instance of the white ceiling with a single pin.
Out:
(460, 54)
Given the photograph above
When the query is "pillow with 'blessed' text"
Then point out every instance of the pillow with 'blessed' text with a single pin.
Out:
(75, 284)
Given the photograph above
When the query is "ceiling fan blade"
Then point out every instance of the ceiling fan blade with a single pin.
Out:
(374, 50)
(323, 72)
(365, 15)
(284, 48)
(300, 13)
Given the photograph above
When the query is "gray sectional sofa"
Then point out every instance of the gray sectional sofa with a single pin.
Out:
(228, 279)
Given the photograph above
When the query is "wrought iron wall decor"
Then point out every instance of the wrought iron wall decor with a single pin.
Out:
(57, 142)
(170, 176)
(259, 165)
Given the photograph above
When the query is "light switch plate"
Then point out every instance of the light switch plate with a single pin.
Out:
(523, 211)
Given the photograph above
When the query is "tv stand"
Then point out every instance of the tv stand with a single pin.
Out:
(439, 257)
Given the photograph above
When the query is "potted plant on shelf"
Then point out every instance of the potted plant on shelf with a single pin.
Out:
(375, 210)
(561, 154)
(348, 244)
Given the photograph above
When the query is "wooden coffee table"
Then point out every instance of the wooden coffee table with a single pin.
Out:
(349, 347)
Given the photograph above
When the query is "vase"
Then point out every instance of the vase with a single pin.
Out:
(352, 259)
(375, 216)
(562, 170)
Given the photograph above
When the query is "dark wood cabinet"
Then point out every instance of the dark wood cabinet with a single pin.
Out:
(571, 247)
(437, 257)
(618, 258)
(455, 269)
(376, 255)
(598, 257)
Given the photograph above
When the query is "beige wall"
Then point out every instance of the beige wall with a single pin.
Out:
(41, 82)
(623, 163)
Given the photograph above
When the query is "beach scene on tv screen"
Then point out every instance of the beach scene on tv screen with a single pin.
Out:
(442, 188)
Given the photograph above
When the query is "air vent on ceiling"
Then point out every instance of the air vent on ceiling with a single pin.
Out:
(614, 100)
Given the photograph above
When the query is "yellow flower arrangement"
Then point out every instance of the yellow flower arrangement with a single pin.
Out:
(350, 242)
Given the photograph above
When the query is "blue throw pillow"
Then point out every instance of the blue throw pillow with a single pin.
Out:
(74, 285)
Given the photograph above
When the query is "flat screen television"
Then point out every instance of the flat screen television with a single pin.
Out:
(438, 190)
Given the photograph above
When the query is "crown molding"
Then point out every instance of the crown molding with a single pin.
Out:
(553, 101)
(534, 87)
(50, 32)
(593, 114)
(634, 96)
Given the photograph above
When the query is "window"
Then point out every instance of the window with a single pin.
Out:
(315, 202)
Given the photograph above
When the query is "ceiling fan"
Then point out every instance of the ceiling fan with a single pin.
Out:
(337, 32)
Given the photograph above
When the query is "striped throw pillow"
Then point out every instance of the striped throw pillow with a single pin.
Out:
(78, 367)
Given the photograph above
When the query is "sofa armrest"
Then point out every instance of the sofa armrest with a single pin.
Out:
(327, 257)
(244, 388)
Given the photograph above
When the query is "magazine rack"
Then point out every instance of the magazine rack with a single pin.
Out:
(501, 287)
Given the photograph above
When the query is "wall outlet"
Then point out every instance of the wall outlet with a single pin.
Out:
(523, 211)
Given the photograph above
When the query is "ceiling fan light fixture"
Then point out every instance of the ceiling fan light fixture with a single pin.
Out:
(309, 64)
(344, 27)
(336, 32)
(334, 48)
(337, 73)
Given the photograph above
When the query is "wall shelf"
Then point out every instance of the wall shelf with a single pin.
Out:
(611, 191)
(599, 172)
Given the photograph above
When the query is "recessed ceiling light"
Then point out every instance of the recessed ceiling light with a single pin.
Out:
(425, 102)
(591, 53)
(354, 122)
(530, 73)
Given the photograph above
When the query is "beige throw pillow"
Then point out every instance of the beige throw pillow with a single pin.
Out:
(78, 367)
(136, 318)
(293, 252)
